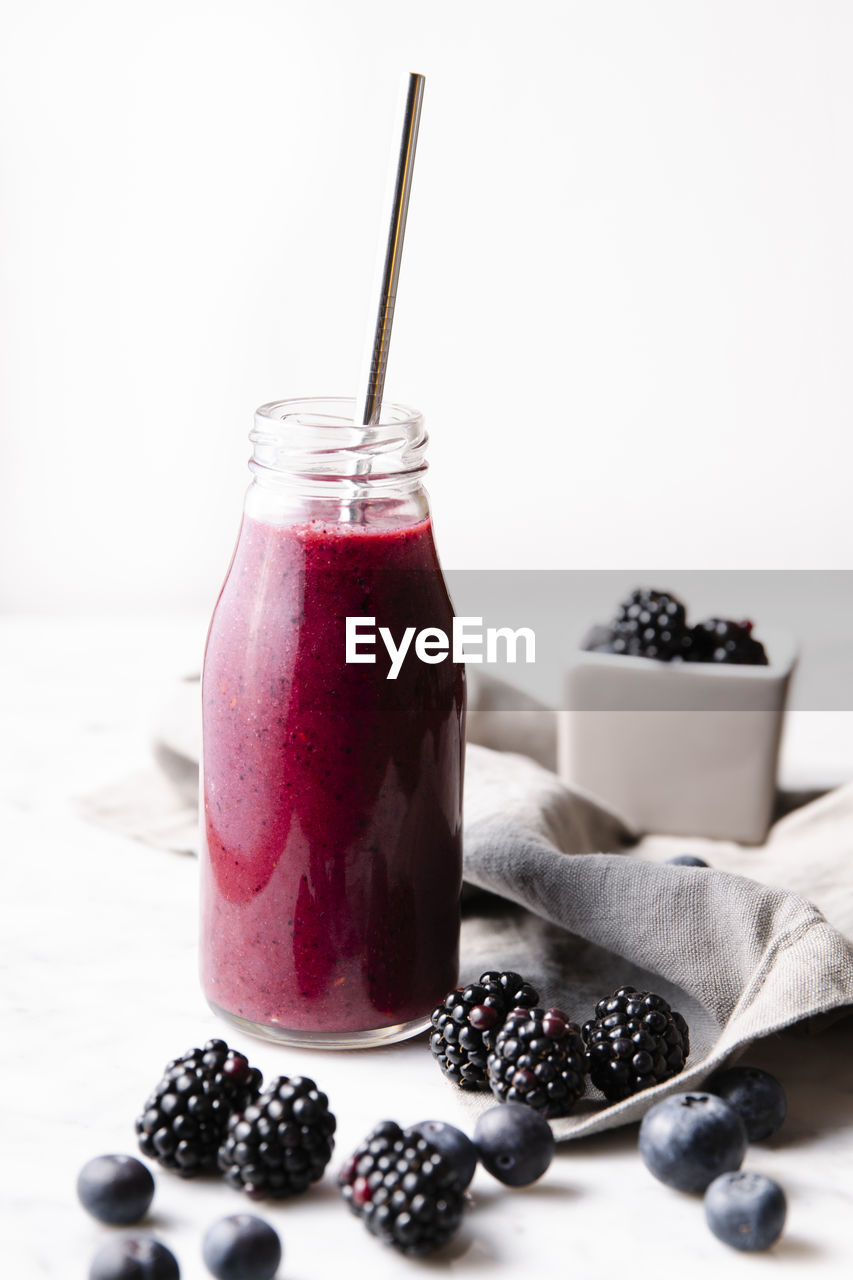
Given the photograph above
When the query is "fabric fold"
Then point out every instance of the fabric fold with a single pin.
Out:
(739, 958)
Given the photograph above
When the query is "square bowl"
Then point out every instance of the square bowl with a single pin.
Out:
(688, 749)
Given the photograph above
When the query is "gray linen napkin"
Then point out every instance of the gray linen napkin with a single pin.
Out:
(560, 890)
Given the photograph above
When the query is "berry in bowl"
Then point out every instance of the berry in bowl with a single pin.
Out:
(653, 624)
(675, 724)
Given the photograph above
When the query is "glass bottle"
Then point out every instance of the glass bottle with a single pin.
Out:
(331, 794)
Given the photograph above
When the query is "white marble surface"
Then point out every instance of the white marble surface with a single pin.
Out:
(99, 990)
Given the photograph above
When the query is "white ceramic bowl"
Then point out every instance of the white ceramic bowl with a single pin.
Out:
(684, 749)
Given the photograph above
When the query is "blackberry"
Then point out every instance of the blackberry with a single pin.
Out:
(634, 1041)
(720, 640)
(185, 1117)
(404, 1189)
(650, 624)
(466, 1024)
(281, 1142)
(538, 1059)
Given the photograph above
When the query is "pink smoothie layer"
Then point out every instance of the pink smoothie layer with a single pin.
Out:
(332, 796)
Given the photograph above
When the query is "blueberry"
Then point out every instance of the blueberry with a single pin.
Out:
(241, 1247)
(134, 1258)
(689, 1139)
(686, 860)
(514, 1143)
(115, 1189)
(746, 1210)
(758, 1098)
(453, 1144)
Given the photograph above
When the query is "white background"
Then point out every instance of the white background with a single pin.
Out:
(626, 304)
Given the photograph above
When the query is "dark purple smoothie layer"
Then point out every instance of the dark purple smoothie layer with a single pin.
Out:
(332, 796)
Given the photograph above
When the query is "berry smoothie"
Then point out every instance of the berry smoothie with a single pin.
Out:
(332, 796)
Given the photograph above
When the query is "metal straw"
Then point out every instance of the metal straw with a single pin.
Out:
(369, 400)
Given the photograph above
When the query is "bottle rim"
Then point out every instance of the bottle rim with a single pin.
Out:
(315, 440)
(333, 417)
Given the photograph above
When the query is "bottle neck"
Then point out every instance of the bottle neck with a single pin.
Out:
(311, 461)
